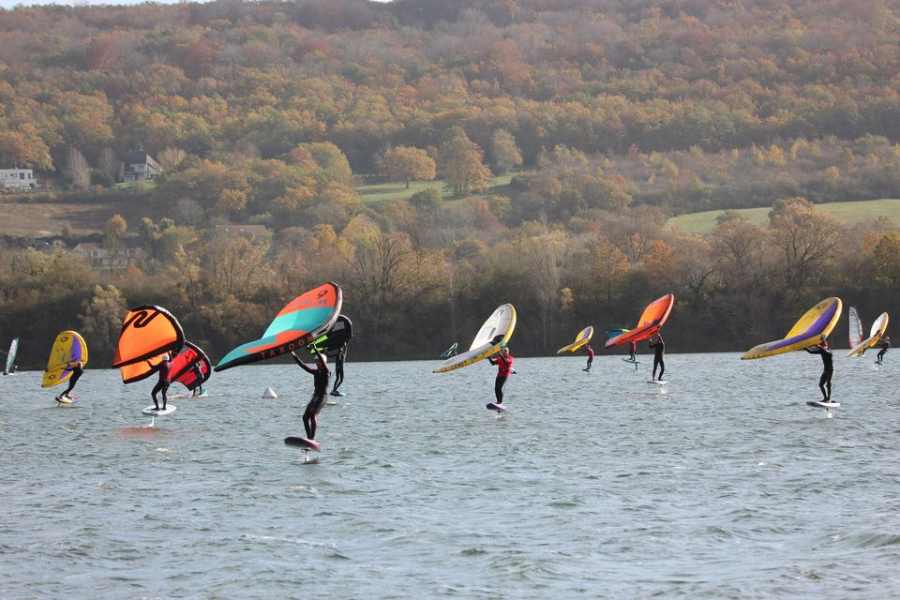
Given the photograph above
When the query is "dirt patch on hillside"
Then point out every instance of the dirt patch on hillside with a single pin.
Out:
(38, 220)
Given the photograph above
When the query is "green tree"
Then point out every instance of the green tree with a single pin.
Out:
(428, 199)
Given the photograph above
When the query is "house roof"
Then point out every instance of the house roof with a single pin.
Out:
(251, 231)
(132, 157)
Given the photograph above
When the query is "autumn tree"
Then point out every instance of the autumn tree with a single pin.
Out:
(545, 259)
(505, 154)
(164, 239)
(170, 158)
(886, 256)
(86, 119)
(107, 166)
(404, 163)
(184, 274)
(101, 321)
(235, 267)
(460, 162)
(25, 150)
(384, 272)
(745, 251)
(609, 266)
(115, 231)
(78, 168)
(807, 239)
(695, 268)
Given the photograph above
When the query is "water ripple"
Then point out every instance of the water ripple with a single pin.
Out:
(725, 486)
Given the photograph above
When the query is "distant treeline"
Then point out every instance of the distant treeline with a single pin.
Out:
(734, 288)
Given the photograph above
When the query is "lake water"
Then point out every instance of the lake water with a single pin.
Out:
(594, 485)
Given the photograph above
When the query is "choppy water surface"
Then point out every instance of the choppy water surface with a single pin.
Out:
(594, 485)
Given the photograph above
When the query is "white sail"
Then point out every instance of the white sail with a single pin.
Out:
(495, 332)
(878, 329)
(856, 330)
(11, 357)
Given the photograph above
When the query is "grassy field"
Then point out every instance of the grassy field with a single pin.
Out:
(849, 212)
(380, 192)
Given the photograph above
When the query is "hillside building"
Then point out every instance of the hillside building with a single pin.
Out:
(137, 165)
(109, 258)
(17, 180)
(250, 232)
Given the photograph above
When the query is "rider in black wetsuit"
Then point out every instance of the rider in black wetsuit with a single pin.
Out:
(339, 370)
(884, 344)
(198, 373)
(658, 348)
(827, 371)
(321, 376)
(163, 384)
(77, 371)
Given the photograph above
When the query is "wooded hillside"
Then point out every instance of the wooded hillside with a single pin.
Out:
(611, 115)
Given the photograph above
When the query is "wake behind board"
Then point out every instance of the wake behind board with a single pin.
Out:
(825, 405)
(152, 411)
(190, 396)
(658, 382)
(303, 443)
(497, 408)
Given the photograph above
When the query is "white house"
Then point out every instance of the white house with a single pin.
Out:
(108, 258)
(17, 179)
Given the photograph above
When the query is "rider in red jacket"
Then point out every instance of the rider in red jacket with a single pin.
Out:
(504, 362)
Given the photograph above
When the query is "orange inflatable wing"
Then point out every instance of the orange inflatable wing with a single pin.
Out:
(651, 321)
(140, 370)
(147, 332)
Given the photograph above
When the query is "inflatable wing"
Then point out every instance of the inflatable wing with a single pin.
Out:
(147, 332)
(339, 334)
(653, 318)
(812, 329)
(582, 339)
(182, 368)
(302, 321)
(875, 335)
(69, 347)
(492, 336)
